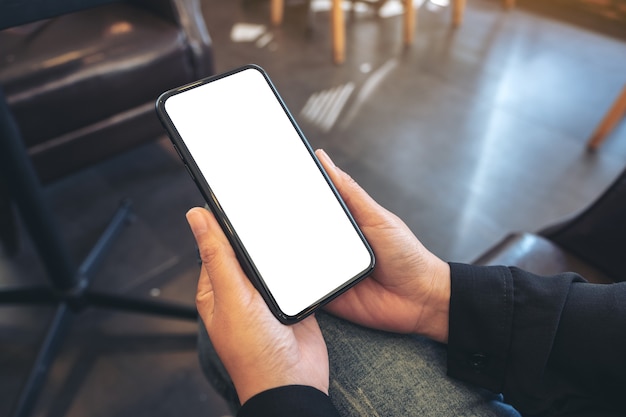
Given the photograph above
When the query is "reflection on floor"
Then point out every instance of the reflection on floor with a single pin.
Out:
(466, 135)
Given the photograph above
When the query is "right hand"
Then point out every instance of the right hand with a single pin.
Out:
(409, 289)
(258, 351)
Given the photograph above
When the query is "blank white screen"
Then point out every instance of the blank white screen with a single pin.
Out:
(273, 193)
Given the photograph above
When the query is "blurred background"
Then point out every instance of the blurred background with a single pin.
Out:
(468, 132)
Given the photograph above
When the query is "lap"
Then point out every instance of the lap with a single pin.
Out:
(378, 373)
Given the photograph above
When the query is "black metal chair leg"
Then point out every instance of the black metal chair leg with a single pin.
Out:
(122, 216)
(138, 305)
(47, 352)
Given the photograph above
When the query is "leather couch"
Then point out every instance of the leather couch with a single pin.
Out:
(82, 86)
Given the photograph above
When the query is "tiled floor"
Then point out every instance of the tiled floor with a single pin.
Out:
(467, 135)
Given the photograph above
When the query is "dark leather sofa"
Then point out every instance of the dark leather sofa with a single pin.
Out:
(82, 86)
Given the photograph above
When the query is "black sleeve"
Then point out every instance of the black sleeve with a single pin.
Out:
(291, 401)
(552, 345)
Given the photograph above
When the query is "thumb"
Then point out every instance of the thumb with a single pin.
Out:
(221, 278)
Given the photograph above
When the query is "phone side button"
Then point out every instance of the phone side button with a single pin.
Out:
(189, 171)
(177, 150)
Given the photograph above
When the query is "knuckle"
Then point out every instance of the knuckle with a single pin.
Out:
(210, 251)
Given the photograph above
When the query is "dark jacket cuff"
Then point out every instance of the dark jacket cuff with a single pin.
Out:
(481, 315)
(290, 400)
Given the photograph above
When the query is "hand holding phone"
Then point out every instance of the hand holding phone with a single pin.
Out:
(258, 352)
(292, 233)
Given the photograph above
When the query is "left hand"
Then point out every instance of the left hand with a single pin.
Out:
(409, 289)
(257, 350)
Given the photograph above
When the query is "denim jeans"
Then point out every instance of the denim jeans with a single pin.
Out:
(375, 373)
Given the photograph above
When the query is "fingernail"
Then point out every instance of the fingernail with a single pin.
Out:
(325, 156)
(197, 222)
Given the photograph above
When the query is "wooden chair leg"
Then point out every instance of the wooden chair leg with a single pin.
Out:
(614, 115)
(338, 32)
(410, 15)
(458, 11)
(276, 12)
(508, 4)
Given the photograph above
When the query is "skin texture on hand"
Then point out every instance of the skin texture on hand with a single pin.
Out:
(258, 351)
(409, 289)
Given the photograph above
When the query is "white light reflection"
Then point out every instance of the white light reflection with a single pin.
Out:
(323, 108)
(390, 8)
(472, 220)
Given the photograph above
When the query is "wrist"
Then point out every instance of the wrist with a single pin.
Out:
(434, 320)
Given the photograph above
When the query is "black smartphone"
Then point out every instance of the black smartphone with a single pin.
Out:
(293, 234)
